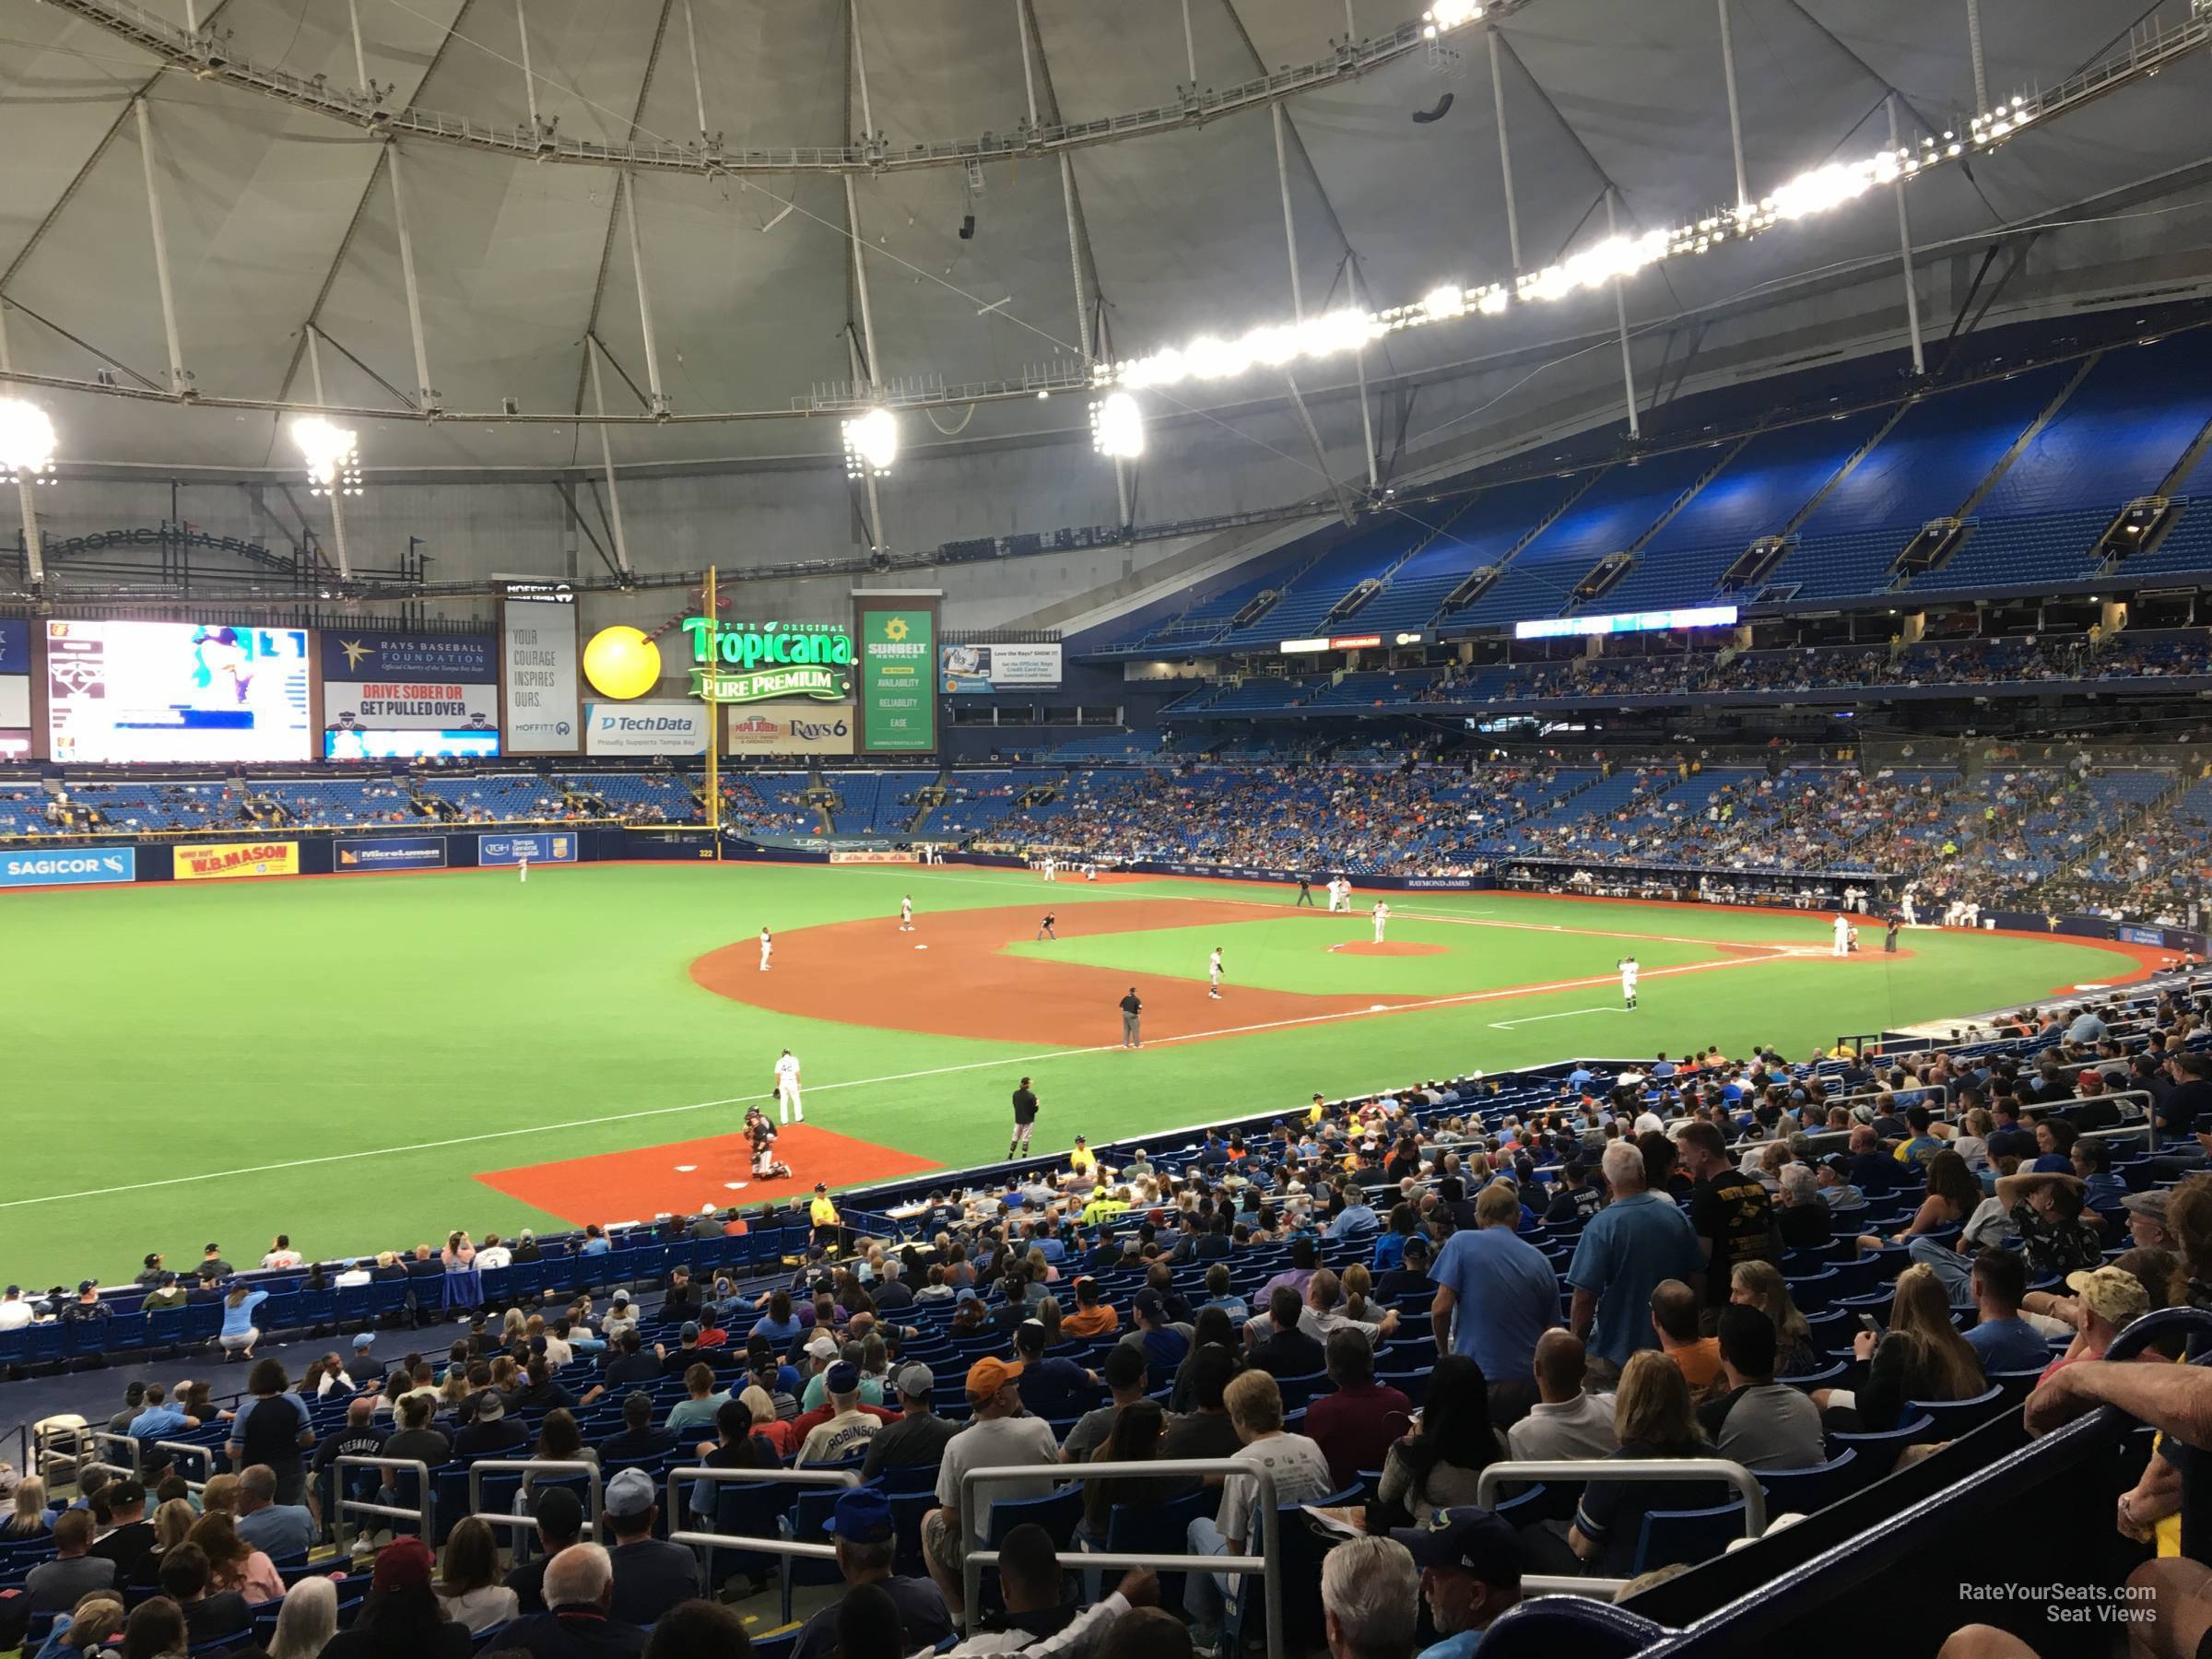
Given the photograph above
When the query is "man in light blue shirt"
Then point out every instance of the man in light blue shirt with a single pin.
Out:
(2086, 1029)
(1470, 1562)
(159, 1418)
(1504, 1293)
(1356, 1219)
(1627, 1247)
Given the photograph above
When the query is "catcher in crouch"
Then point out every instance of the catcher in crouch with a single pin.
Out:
(762, 1133)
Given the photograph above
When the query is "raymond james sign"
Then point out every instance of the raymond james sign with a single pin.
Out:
(743, 662)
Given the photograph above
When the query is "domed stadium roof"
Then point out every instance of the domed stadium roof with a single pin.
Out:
(274, 172)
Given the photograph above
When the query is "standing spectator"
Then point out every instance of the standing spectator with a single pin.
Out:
(1358, 1423)
(1565, 1421)
(1628, 1248)
(1504, 1295)
(1729, 1209)
(272, 1429)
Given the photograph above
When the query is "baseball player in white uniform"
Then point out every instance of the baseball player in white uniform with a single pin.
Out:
(788, 1109)
(906, 913)
(1213, 974)
(1052, 869)
(1908, 906)
(1629, 971)
(1340, 895)
(1843, 944)
(1382, 919)
(768, 948)
(521, 860)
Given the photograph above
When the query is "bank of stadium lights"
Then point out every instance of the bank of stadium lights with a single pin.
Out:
(1117, 427)
(1449, 14)
(27, 442)
(871, 443)
(332, 455)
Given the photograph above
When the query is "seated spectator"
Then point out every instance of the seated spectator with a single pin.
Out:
(1437, 1466)
(1411, 1277)
(1159, 1336)
(56, 1586)
(559, 1439)
(860, 1527)
(1094, 1315)
(403, 1617)
(416, 1438)
(1037, 1618)
(696, 1412)
(1758, 1422)
(307, 1620)
(1301, 1476)
(559, 1516)
(1565, 1421)
(234, 1564)
(156, 1629)
(651, 1574)
(488, 1431)
(1804, 1222)
(1218, 1295)
(580, 1587)
(1652, 1415)
(639, 1440)
(174, 1522)
(275, 1528)
(1360, 1420)
(468, 1586)
(846, 1433)
(207, 1616)
(1205, 1429)
(1124, 1373)
(700, 1630)
(29, 1519)
(1054, 1388)
(1371, 1599)
(160, 1419)
(917, 1439)
(1277, 1343)
(1760, 1284)
(1470, 1564)
(2109, 1299)
(1953, 1195)
(1674, 1320)
(1921, 1356)
(94, 1623)
(130, 1538)
(2001, 1339)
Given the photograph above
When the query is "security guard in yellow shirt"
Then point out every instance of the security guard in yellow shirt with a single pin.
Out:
(823, 1214)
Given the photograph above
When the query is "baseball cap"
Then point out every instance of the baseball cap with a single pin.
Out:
(862, 1516)
(843, 1378)
(690, 1332)
(823, 1347)
(362, 1342)
(2152, 1204)
(621, 1298)
(558, 1511)
(916, 1380)
(629, 1494)
(988, 1375)
(491, 1408)
(1837, 1162)
(1465, 1540)
(2111, 1291)
(407, 1564)
(1149, 1302)
(84, 1284)
(821, 1186)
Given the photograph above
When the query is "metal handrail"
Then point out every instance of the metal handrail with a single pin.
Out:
(341, 1504)
(189, 1449)
(776, 1545)
(1267, 1564)
(543, 1465)
(1620, 1469)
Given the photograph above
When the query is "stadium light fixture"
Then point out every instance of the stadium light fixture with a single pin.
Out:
(1449, 14)
(332, 455)
(27, 441)
(871, 443)
(1117, 427)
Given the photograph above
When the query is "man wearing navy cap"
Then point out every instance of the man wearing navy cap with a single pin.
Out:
(651, 1574)
(849, 1428)
(861, 1529)
(1470, 1564)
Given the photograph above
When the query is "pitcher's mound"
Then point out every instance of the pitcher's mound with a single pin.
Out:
(1368, 948)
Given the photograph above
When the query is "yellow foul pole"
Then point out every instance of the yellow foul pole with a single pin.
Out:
(710, 689)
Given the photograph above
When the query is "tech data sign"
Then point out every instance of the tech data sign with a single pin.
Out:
(743, 662)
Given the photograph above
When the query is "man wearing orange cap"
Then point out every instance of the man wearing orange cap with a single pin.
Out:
(998, 1436)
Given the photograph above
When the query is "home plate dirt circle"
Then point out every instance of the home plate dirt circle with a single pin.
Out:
(1388, 949)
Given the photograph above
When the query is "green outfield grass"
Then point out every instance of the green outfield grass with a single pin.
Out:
(340, 1058)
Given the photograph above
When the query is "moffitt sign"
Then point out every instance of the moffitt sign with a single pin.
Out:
(741, 662)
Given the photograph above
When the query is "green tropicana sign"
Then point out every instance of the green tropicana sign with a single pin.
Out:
(746, 661)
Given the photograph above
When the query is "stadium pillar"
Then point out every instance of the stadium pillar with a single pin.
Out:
(428, 397)
(1505, 148)
(699, 90)
(33, 560)
(1736, 118)
(522, 33)
(180, 383)
(360, 58)
(1904, 247)
(1620, 315)
(637, 265)
(1973, 41)
(606, 457)
(337, 487)
(1190, 49)
(707, 691)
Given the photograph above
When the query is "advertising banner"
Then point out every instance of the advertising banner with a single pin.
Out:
(410, 705)
(219, 860)
(748, 662)
(358, 743)
(552, 846)
(898, 678)
(789, 729)
(645, 728)
(175, 692)
(388, 656)
(78, 867)
(537, 664)
(391, 852)
(872, 856)
(965, 669)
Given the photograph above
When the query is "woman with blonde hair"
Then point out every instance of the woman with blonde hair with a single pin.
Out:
(29, 1520)
(468, 1579)
(307, 1620)
(1760, 1284)
(512, 1328)
(1920, 1357)
(220, 1496)
(1358, 1284)
(96, 1617)
(1654, 1417)
(234, 1564)
(174, 1522)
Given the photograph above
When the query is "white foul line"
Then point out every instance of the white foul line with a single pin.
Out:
(1507, 1025)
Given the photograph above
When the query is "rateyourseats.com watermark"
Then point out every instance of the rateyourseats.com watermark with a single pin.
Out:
(2071, 1604)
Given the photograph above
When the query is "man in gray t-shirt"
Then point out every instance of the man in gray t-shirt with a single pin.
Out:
(1760, 1423)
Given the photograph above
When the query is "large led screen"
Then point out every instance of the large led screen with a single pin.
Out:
(176, 691)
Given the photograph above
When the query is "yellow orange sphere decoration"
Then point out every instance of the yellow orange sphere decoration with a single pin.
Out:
(621, 662)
